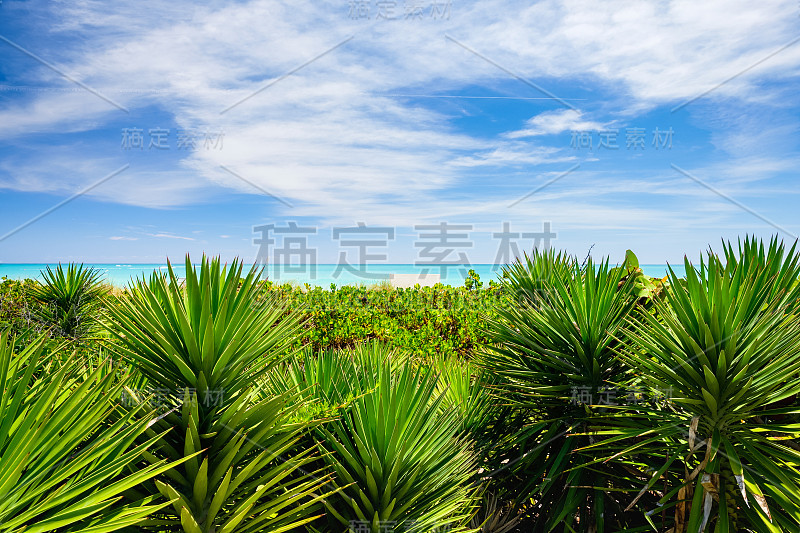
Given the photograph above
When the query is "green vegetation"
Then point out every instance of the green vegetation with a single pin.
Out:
(727, 344)
(424, 321)
(397, 457)
(566, 339)
(564, 397)
(205, 348)
(65, 460)
(16, 304)
(68, 301)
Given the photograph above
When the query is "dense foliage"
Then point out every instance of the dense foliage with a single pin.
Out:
(16, 304)
(565, 397)
(64, 457)
(205, 348)
(69, 300)
(563, 340)
(423, 321)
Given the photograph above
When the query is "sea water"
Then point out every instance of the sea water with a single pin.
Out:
(322, 275)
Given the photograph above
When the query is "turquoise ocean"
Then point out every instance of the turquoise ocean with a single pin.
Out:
(317, 275)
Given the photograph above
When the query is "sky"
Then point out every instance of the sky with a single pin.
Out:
(132, 132)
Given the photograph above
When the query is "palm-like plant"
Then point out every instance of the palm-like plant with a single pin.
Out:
(494, 516)
(779, 264)
(63, 466)
(331, 378)
(69, 299)
(398, 460)
(467, 389)
(204, 347)
(727, 345)
(531, 278)
(557, 359)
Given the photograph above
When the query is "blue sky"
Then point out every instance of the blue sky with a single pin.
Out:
(476, 113)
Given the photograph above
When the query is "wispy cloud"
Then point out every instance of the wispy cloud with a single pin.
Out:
(553, 122)
(326, 140)
(326, 127)
(169, 236)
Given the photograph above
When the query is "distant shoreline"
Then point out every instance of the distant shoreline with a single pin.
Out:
(120, 274)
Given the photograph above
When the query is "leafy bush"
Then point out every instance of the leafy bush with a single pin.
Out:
(16, 305)
(424, 321)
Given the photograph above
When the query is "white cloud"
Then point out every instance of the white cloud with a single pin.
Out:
(169, 236)
(326, 140)
(554, 122)
(514, 153)
(652, 52)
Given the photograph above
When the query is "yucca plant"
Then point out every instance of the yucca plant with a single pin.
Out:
(489, 425)
(398, 460)
(531, 278)
(556, 357)
(204, 346)
(331, 378)
(69, 299)
(726, 343)
(494, 516)
(779, 263)
(465, 388)
(64, 465)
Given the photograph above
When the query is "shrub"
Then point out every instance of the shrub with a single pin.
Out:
(66, 458)
(397, 459)
(69, 300)
(204, 349)
(726, 342)
(556, 355)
